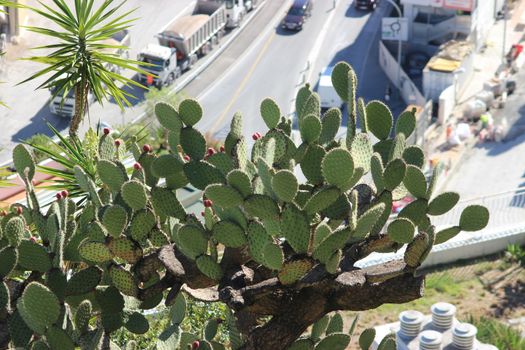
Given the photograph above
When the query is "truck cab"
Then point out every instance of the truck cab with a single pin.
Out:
(327, 94)
(235, 12)
(163, 70)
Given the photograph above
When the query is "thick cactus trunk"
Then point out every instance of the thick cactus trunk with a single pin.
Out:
(81, 105)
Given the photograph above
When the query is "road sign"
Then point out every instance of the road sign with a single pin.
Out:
(395, 28)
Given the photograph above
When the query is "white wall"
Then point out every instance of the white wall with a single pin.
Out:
(409, 91)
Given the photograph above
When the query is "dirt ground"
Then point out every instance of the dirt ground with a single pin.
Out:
(493, 288)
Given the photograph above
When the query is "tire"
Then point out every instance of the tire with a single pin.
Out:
(170, 80)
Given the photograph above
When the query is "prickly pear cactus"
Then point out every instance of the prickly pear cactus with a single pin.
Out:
(277, 215)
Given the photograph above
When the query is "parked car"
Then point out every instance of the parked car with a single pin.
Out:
(328, 95)
(366, 4)
(298, 14)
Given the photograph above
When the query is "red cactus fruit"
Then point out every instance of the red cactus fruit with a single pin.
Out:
(118, 142)
(106, 131)
(137, 166)
(58, 196)
(187, 158)
(222, 149)
(196, 344)
(146, 148)
(211, 151)
(19, 210)
(208, 203)
(64, 193)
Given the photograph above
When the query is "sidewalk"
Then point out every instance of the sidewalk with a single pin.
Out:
(486, 64)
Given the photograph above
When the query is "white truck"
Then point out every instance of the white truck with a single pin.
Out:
(236, 10)
(64, 106)
(182, 42)
(328, 95)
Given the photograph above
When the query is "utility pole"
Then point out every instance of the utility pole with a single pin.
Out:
(503, 53)
(400, 15)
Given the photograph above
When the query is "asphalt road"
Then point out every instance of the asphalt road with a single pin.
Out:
(264, 61)
(276, 65)
(28, 110)
(495, 167)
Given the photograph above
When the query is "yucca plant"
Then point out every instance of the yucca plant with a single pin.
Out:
(81, 56)
(69, 152)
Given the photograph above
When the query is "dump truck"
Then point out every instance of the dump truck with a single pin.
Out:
(64, 106)
(182, 42)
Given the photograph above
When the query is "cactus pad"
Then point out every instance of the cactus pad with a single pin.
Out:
(190, 111)
(229, 234)
(361, 150)
(123, 280)
(377, 170)
(413, 155)
(406, 123)
(415, 181)
(23, 159)
(446, 234)
(84, 281)
(209, 267)
(125, 249)
(59, 339)
(295, 228)
(401, 230)
(4, 296)
(134, 194)
(223, 196)
(193, 240)
(310, 129)
(202, 174)
(270, 113)
(321, 232)
(319, 327)
(14, 230)
(394, 173)
(193, 143)
(257, 238)
(261, 206)
(474, 218)
(166, 165)
(416, 250)
(330, 125)
(337, 167)
(285, 185)
(141, 224)
(378, 119)
(331, 244)
(96, 252)
(111, 174)
(367, 338)
(168, 116)
(33, 257)
(39, 307)
(443, 203)
(311, 163)
(83, 315)
(239, 180)
(8, 260)
(332, 264)
(273, 256)
(344, 81)
(367, 221)
(115, 220)
(166, 203)
(292, 271)
(137, 323)
(322, 199)
(334, 341)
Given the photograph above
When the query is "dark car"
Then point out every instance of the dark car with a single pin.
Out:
(297, 14)
(366, 4)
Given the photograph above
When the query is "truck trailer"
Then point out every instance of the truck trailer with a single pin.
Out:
(182, 42)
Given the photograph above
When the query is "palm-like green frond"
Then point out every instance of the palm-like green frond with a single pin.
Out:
(82, 51)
